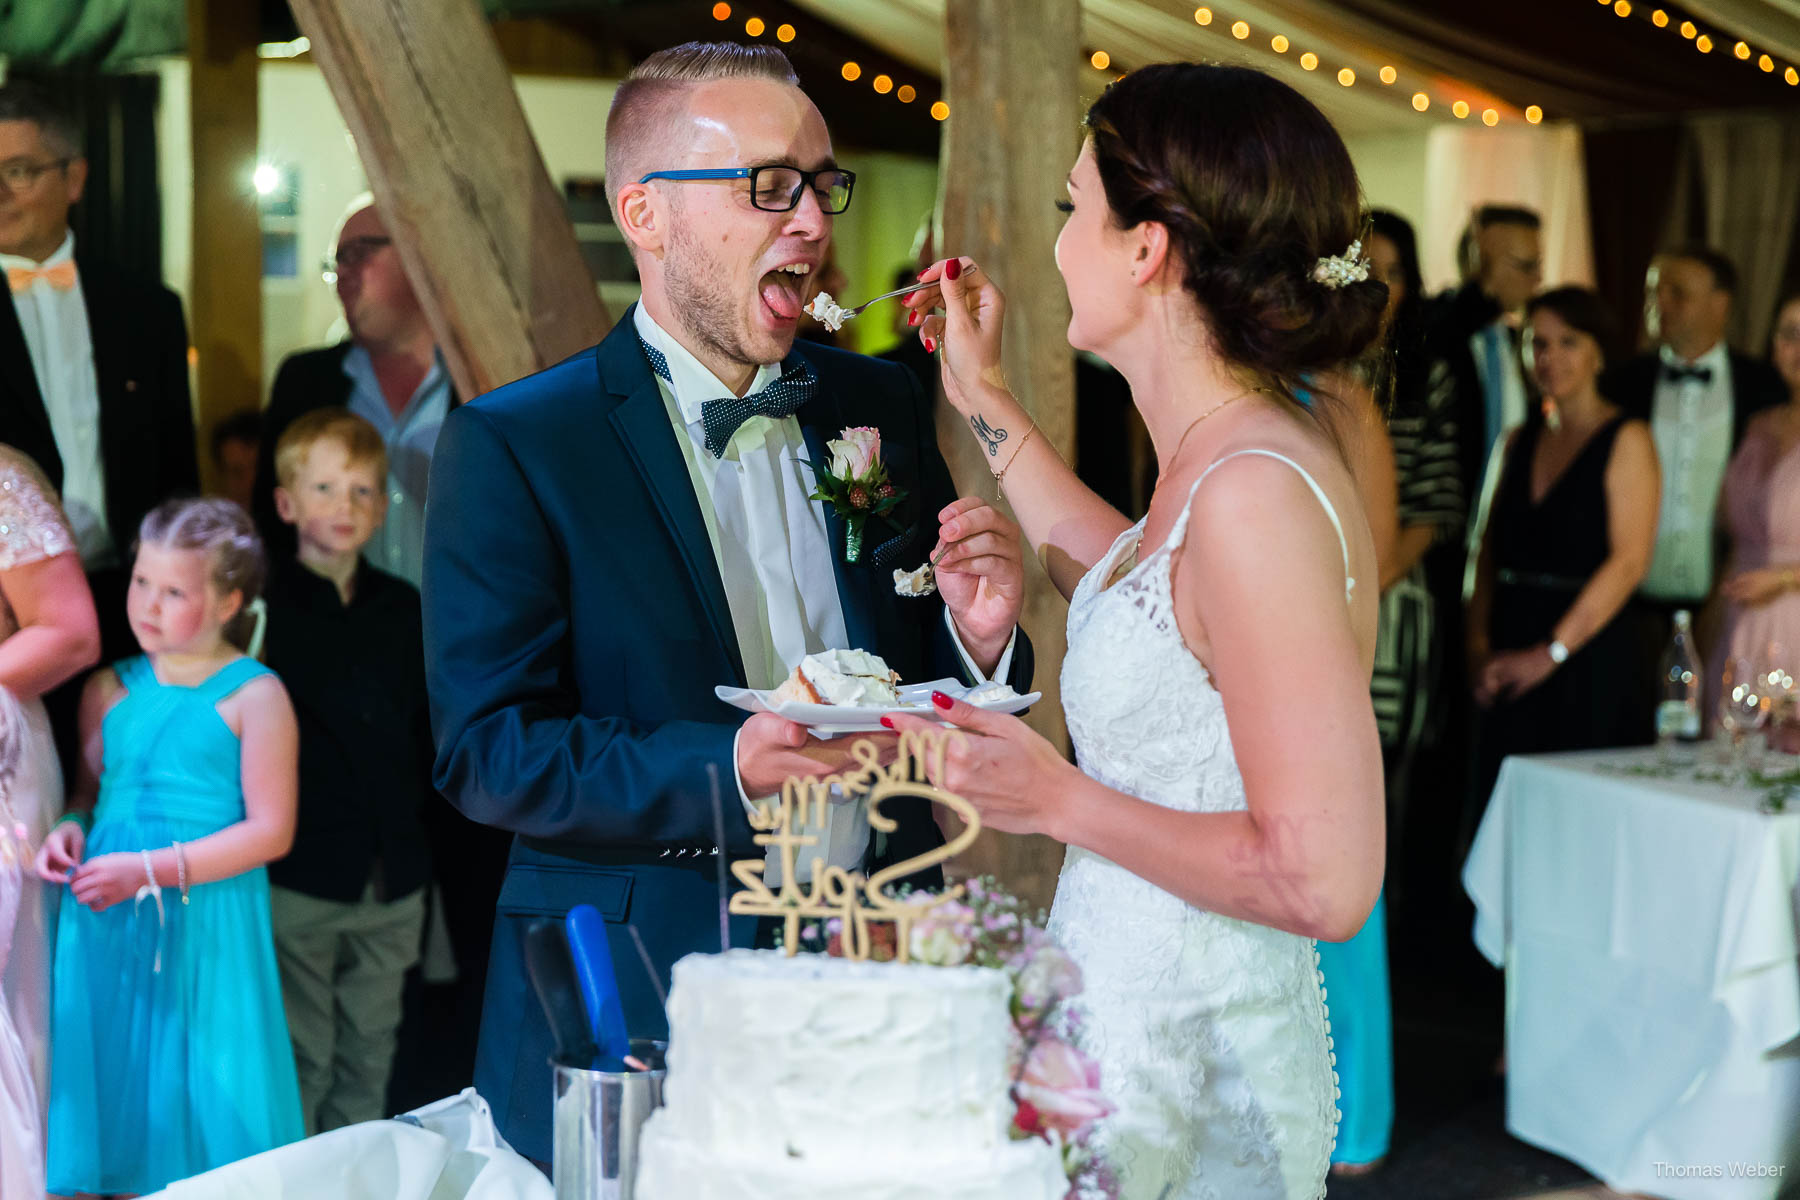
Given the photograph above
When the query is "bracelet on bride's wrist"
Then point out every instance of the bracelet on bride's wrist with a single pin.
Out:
(1000, 475)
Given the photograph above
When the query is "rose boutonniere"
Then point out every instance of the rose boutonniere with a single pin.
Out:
(856, 485)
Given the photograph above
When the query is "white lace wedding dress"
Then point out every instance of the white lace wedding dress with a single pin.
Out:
(1211, 1032)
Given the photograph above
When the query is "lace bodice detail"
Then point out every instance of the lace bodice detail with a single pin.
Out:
(32, 525)
(1211, 1032)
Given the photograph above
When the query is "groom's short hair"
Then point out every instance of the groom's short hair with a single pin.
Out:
(652, 94)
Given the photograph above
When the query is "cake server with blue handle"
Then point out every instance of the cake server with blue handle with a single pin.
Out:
(591, 953)
(552, 972)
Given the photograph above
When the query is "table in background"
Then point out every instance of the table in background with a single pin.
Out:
(1648, 928)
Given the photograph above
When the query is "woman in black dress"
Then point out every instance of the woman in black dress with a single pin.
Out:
(1570, 534)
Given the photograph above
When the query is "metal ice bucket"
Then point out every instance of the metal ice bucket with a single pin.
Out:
(598, 1115)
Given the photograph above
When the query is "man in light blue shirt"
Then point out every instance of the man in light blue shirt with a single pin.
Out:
(389, 372)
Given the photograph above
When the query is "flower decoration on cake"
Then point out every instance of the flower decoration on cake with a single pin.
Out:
(1056, 1091)
(856, 485)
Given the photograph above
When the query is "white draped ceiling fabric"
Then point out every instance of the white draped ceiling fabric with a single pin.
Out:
(1466, 163)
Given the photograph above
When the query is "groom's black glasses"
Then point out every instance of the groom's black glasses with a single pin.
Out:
(778, 189)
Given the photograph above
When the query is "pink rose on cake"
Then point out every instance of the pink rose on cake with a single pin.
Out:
(1059, 1091)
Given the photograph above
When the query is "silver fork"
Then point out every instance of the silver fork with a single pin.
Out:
(858, 310)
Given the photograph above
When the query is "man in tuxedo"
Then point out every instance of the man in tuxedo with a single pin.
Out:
(93, 360)
(1698, 395)
(389, 372)
(611, 538)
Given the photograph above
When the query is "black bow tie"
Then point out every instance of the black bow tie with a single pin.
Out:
(1676, 373)
(786, 396)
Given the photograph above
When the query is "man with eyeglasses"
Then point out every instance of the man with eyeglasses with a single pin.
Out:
(93, 359)
(388, 371)
(611, 538)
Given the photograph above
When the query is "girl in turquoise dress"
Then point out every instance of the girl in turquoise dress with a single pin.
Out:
(169, 1048)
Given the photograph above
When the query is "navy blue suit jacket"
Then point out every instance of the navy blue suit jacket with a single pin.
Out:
(575, 626)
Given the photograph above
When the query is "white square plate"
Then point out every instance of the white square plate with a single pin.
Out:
(829, 720)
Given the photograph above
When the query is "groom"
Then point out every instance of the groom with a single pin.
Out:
(612, 537)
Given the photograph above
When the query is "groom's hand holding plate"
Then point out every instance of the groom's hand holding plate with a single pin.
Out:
(772, 749)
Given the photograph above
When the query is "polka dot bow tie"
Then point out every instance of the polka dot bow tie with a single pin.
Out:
(721, 419)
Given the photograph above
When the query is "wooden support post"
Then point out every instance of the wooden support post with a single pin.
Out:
(1013, 131)
(225, 294)
(461, 186)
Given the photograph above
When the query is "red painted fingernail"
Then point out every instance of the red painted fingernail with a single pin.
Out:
(953, 269)
(931, 345)
(921, 274)
(941, 700)
(887, 722)
(913, 318)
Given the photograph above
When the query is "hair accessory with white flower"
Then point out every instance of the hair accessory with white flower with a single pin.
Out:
(1336, 270)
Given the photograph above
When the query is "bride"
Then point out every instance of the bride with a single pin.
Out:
(1227, 809)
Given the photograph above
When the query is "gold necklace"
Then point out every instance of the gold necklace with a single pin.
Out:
(1182, 440)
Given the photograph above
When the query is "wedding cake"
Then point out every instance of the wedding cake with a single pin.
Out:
(821, 1077)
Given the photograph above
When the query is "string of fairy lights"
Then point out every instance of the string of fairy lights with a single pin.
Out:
(1703, 40)
(1279, 44)
(884, 84)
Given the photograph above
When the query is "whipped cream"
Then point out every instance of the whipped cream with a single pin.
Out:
(827, 312)
(920, 581)
(990, 693)
(851, 678)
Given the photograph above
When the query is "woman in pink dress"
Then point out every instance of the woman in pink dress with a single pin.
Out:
(47, 634)
(1761, 510)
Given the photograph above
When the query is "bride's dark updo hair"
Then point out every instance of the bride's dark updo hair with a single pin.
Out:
(1254, 186)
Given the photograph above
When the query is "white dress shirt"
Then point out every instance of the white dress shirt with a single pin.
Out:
(1691, 423)
(773, 552)
(55, 325)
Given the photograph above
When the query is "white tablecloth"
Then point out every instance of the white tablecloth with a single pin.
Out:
(1648, 930)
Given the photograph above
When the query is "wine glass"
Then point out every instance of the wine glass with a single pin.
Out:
(1744, 705)
(1779, 666)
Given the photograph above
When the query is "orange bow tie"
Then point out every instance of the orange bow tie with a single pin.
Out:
(61, 276)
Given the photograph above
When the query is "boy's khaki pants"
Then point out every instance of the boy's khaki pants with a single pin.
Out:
(342, 967)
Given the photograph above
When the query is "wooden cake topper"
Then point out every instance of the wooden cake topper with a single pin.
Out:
(858, 901)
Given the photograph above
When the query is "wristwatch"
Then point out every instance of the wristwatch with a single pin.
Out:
(1559, 653)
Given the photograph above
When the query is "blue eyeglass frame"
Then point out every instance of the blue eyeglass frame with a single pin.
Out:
(750, 173)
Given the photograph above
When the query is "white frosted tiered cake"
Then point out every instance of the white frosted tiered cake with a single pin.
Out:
(822, 1078)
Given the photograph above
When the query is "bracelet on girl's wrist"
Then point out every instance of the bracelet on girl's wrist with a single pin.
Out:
(77, 816)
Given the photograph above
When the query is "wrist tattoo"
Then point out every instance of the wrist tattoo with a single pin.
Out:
(990, 437)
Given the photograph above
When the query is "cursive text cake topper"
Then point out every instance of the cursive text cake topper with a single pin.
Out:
(858, 901)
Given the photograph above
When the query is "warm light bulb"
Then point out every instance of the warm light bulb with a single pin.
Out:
(882, 84)
(1766, 63)
(1792, 76)
(906, 94)
(1623, 8)
(1534, 114)
(1421, 101)
(1703, 44)
(1660, 19)
(784, 33)
(939, 111)
(1460, 108)
(1388, 74)
(721, 12)
(1240, 30)
(1203, 16)
(852, 72)
(754, 26)
(1101, 60)
(1309, 60)
(1688, 30)
(1278, 44)
(1346, 77)
(1742, 50)
(1490, 118)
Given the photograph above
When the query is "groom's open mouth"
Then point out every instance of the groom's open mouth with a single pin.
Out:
(783, 291)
